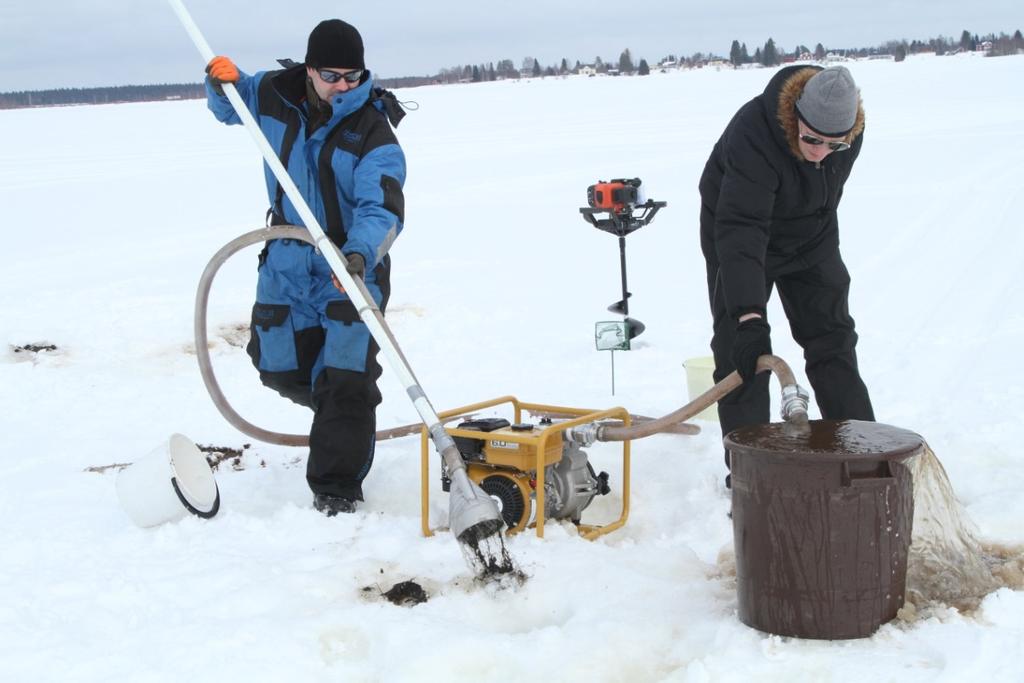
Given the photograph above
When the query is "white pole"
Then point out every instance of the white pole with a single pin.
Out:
(356, 290)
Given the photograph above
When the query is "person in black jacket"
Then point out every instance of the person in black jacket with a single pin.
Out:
(769, 195)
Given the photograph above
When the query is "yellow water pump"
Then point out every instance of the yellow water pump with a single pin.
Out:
(533, 470)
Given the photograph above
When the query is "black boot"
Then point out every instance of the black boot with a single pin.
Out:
(332, 505)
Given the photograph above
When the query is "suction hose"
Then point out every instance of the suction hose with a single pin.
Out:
(794, 407)
(203, 350)
(202, 347)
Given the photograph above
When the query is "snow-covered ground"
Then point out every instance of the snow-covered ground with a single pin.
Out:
(112, 212)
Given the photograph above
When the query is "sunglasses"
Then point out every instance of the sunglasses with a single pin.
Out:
(834, 146)
(333, 76)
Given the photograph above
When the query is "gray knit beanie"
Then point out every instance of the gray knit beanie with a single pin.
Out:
(829, 102)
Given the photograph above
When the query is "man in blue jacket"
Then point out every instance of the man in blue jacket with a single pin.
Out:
(332, 130)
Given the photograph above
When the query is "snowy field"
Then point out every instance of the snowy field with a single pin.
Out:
(112, 212)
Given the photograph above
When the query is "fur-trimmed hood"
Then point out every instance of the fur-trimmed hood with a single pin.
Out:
(789, 93)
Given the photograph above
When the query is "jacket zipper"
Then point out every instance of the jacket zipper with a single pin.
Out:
(824, 185)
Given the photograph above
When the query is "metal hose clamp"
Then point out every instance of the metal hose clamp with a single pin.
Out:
(795, 400)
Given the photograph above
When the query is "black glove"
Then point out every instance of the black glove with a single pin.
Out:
(215, 85)
(753, 340)
(356, 265)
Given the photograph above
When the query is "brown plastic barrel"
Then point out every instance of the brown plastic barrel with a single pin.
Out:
(822, 522)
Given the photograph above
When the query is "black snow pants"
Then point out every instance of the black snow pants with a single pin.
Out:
(342, 437)
(816, 303)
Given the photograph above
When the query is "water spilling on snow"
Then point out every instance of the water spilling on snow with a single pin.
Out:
(948, 564)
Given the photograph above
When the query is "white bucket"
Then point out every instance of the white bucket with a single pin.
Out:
(700, 378)
(171, 481)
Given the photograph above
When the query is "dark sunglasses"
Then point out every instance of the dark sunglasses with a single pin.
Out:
(834, 146)
(333, 76)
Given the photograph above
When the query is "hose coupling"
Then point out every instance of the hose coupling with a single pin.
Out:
(584, 435)
(795, 400)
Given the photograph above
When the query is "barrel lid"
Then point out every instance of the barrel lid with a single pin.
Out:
(826, 440)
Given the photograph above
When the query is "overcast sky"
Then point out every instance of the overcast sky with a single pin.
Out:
(77, 43)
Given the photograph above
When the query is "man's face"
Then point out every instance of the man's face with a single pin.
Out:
(327, 90)
(811, 151)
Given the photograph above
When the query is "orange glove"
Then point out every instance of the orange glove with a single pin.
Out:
(222, 70)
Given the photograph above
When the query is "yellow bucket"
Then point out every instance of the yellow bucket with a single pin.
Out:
(699, 378)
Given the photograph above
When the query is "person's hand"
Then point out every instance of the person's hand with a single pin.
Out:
(753, 340)
(221, 70)
(355, 264)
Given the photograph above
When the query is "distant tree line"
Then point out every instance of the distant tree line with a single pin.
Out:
(143, 93)
(772, 55)
(769, 54)
(110, 95)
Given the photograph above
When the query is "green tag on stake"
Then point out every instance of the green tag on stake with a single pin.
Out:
(611, 335)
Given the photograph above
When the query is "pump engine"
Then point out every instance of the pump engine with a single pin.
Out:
(502, 458)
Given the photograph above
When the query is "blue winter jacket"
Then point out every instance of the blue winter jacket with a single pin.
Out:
(350, 171)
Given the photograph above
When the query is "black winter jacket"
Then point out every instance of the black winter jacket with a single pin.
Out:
(765, 211)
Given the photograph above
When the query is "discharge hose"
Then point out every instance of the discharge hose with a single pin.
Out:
(794, 407)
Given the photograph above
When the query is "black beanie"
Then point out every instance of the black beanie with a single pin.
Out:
(334, 44)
